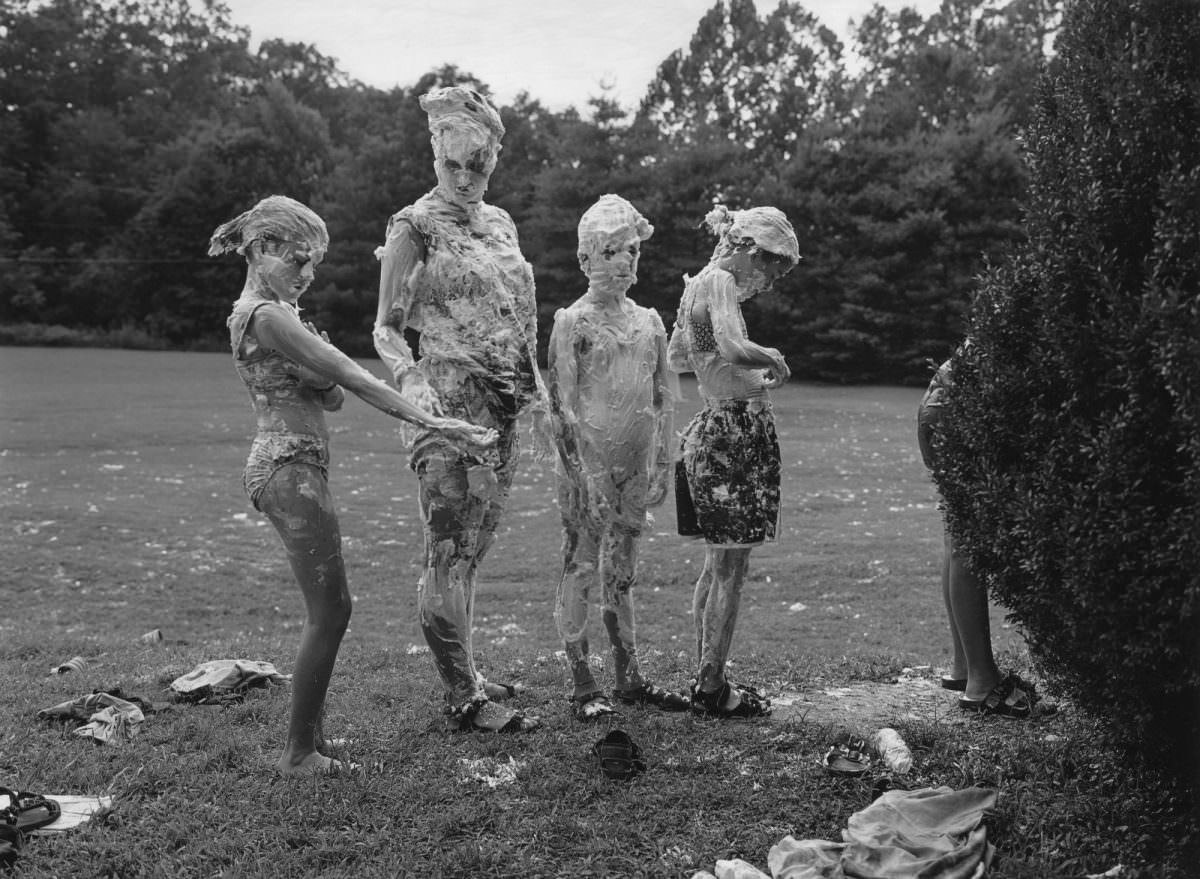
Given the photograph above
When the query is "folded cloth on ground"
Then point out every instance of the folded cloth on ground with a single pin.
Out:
(221, 678)
(931, 833)
(110, 718)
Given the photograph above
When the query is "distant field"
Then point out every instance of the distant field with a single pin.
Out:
(121, 475)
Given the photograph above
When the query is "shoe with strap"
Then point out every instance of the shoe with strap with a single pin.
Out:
(649, 694)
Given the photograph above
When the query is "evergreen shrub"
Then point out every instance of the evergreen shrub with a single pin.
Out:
(1070, 461)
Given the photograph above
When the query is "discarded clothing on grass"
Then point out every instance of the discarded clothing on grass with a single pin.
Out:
(224, 680)
(931, 833)
(110, 717)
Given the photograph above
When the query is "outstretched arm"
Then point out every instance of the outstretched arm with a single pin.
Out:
(278, 328)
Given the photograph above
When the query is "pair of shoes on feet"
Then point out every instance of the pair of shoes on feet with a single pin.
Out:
(484, 715)
(1013, 697)
(649, 694)
(751, 703)
(595, 705)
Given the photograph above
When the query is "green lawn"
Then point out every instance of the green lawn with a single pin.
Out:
(123, 512)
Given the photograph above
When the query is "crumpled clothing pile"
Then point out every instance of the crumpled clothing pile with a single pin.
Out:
(931, 833)
(111, 718)
(224, 680)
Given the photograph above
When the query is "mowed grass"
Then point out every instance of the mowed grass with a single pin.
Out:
(123, 512)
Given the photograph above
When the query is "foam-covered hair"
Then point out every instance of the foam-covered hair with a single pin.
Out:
(458, 106)
(608, 215)
(275, 218)
(766, 227)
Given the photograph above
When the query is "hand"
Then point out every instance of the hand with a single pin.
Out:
(464, 434)
(321, 334)
(660, 476)
(778, 373)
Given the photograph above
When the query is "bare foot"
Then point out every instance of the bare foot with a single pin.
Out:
(311, 764)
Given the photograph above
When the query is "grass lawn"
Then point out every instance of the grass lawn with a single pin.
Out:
(120, 474)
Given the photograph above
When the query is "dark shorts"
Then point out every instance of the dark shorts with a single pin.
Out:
(728, 490)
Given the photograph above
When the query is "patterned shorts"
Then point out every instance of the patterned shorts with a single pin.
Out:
(729, 492)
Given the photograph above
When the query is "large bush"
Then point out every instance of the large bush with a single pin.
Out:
(1071, 457)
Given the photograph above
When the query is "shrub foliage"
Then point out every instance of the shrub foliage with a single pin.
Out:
(1070, 458)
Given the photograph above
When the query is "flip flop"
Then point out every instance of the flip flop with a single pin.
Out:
(848, 756)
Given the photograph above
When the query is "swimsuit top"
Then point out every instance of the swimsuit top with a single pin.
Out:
(718, 378)
(272, 379)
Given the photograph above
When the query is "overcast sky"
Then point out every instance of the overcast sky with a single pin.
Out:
(560, 51)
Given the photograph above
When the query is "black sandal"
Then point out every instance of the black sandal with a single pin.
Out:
(1012, 697)
(649, 694)
(752, 703)
(28, 812)
(24, 814)
(618, 756)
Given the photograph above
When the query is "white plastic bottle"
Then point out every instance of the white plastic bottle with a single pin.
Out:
(892, 750)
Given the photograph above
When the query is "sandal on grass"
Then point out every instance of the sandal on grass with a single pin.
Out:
(649, 694)
(591, 707)
(27, 812)
(848, 756)
(751, 703)
(618, 756)
(23, 813)
(1012, 697)
(484, 715)
(956, 684)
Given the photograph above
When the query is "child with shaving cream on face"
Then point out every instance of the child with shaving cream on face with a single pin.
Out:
(612, 400)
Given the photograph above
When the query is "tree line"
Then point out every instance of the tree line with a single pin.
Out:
(129, 129)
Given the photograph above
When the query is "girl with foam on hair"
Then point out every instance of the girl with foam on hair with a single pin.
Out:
(453, 278)
(727, 488)
(294, 376)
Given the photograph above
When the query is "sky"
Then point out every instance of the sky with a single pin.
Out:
(560, 51)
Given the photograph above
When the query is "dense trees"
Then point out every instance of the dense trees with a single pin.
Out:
(130, 128)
